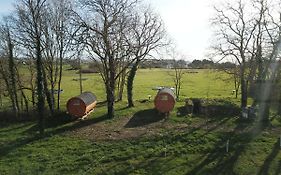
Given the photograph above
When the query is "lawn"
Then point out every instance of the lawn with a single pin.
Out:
(136, 141)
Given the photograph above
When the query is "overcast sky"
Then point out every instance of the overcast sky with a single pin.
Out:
(5, 6)
(187, 23)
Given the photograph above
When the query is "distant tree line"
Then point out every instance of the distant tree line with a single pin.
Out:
(162, 63)
(209, 64)
(195, 64)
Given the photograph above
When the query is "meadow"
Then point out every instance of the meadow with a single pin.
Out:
(137, 141)
(203, 83)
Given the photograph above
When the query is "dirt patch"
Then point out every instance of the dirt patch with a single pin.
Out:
(118, 129)
(138, 126)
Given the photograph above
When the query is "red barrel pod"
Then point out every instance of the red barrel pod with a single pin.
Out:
(165, 100)
(81, 105)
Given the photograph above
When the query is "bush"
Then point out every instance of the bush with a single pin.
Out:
(213, 107)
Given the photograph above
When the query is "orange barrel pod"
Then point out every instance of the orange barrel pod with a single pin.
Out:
(165, 100)
(81, 105)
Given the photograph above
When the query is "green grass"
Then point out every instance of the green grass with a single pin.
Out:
(195, 150)
(198, 147)
(204, 84)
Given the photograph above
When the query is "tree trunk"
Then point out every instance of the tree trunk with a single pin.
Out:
(32, 87)
(243, 94)
(33, 95)
(59, 81)
(244, 90)
(121, 85)
(110, 98)
(40, 88)
(48, 93)
(110, 85)
(13, 76)
(80, 77)
(130, 83)
(178, 92)
(21, 90)
(110, 103)
(25, 101)
(61, 54)
(53, 96)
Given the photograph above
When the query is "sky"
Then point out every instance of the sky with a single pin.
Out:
(6, 6)
(186, 21)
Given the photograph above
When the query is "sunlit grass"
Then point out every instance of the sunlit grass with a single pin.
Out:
(197, 148)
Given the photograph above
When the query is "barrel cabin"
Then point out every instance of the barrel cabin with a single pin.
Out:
(165, 100)
(80, 106)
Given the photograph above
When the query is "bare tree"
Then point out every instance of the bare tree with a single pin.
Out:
(268, 70)
(63, 37)
(148, 35)
(233, 73)
(9, 72)
(30, 27)
(121, 83)
(57, 44)
(253, 40)
(31, 85)
(235, 35)
(178, 71)
(178, 75)
(104, 28)
(21, 88)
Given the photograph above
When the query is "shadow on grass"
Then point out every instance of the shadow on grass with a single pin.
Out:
(217, 125)
(266, 165)
(13, 128)
(59, 119)
(144, 117)
(122, 109)
(215, 155)
(219, 161)
(216, 161)
(31, 134)
(13, 145)
(80, 124)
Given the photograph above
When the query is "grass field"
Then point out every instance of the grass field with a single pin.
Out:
(138, 142)
(204, 84)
